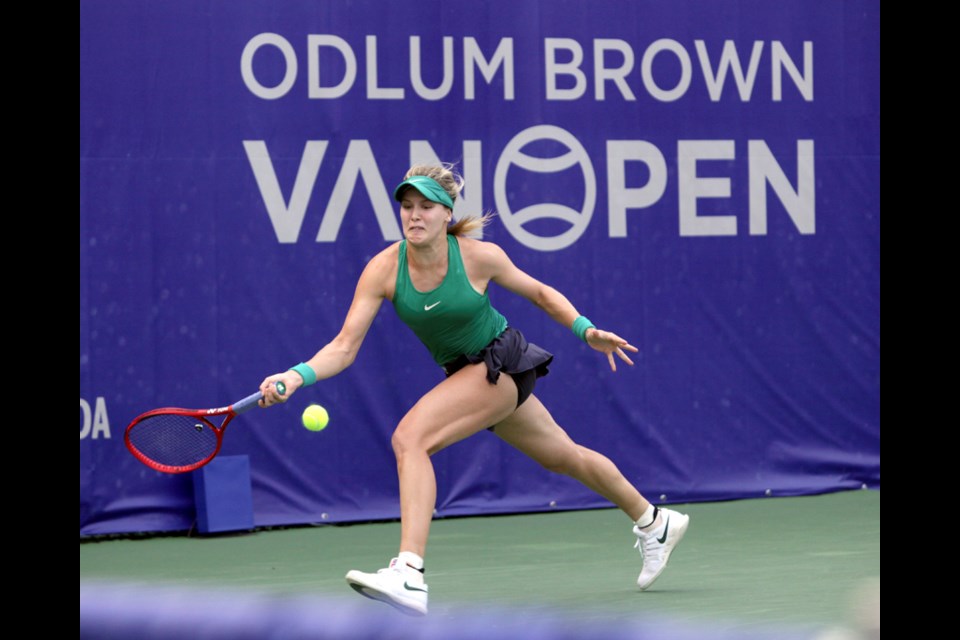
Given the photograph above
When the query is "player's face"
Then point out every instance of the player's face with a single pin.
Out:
(423, 220)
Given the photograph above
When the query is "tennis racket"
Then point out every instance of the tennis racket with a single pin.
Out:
(174, 440)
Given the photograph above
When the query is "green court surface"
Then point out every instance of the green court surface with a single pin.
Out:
(748, 565)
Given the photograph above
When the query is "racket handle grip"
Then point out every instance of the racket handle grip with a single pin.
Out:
(251, 401)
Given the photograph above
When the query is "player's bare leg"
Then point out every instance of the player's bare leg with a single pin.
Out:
(458, 407)
(532, 430)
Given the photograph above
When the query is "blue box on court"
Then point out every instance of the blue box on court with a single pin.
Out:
(224, 495)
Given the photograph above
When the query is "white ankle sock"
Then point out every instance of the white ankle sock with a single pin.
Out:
(648, 518)
(411, 560)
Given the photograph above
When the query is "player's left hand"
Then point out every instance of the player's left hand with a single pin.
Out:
(610, 344)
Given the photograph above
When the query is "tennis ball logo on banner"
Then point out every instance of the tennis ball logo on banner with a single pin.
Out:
(518, 220)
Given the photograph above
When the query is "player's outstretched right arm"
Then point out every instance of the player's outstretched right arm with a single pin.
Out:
(338, 354)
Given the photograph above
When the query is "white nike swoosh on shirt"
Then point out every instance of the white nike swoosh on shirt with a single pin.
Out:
(427, 307)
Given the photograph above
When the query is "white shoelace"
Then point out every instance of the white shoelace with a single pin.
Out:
(643, 541)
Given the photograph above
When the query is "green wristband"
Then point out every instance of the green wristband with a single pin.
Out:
(306, 372)
(580, 326)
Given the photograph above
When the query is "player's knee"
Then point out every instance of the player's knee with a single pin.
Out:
(401, 442)
(407, 438)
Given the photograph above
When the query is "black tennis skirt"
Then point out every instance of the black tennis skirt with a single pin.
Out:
(509, 353)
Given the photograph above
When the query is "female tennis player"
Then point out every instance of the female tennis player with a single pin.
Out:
(437, 279)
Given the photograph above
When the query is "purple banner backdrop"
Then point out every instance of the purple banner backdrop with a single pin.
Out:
(702, 178)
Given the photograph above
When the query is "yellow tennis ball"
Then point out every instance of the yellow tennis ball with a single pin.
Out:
(315, 418)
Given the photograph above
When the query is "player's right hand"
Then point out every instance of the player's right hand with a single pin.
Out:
(271, 395)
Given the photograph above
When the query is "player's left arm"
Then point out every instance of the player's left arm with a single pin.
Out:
(495, 262)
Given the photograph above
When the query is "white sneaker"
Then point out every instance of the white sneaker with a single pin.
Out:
(397, 585)
(657, 544)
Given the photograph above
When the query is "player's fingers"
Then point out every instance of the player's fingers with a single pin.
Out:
(270, 393)
(624, 357)
(613, 363)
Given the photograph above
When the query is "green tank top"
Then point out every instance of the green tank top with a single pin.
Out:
(451, 320)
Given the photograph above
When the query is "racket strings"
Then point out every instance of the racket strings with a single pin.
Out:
(174, 440)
